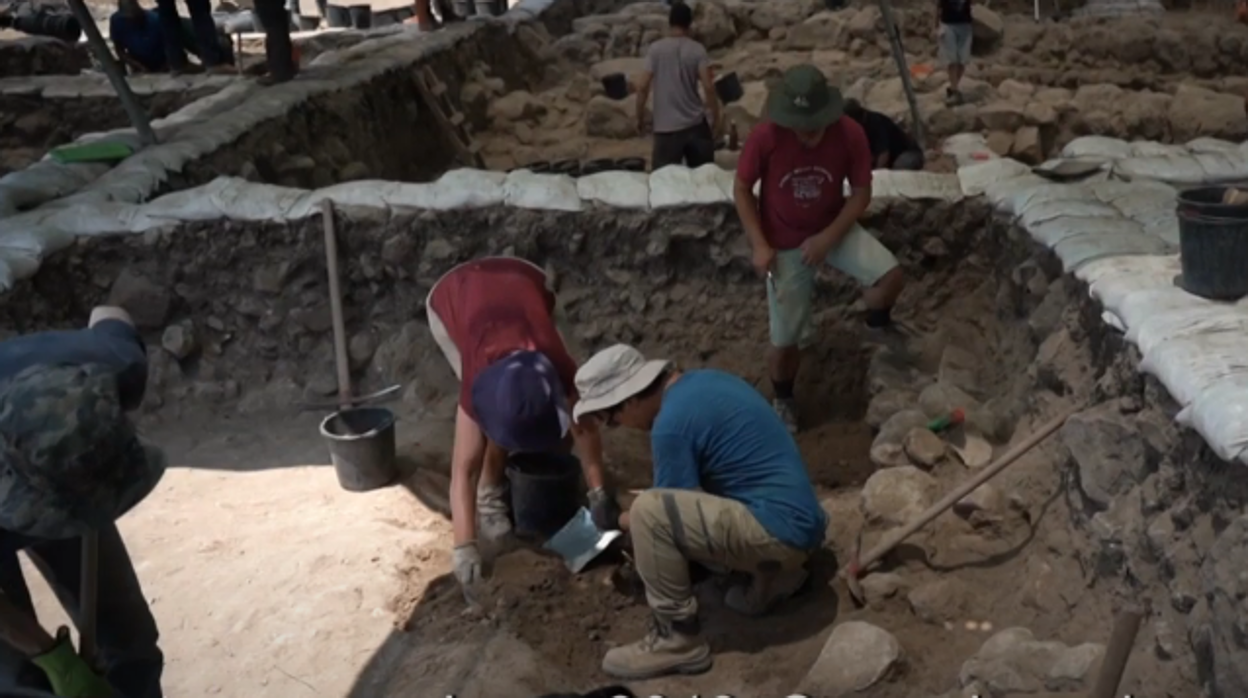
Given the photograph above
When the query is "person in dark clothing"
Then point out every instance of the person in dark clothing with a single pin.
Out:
(279, 52)
(891, 147)
(205, 31)
(76, 384)
(139, 40)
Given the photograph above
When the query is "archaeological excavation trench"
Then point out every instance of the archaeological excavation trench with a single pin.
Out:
(1121, 509)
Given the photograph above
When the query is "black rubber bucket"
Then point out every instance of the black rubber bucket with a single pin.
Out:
(599, 165)
(361, 447)
(616, 86)
(361, 16)
(631, 164)
(1213, 245)
(545, 492)
(571, 168)
(338, 17)
(728, 88)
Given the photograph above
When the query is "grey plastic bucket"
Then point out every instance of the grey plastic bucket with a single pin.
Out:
(362, 447)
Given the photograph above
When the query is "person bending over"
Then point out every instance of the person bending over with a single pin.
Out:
(891, 147)
(730, 491)
(73, 463)
(493, 319)
(802, 158)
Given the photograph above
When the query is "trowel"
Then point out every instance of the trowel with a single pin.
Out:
(580, 541)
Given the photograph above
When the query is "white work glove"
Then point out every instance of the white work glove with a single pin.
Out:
(466, 564)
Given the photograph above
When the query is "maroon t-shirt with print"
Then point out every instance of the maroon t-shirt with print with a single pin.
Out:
(803, 189)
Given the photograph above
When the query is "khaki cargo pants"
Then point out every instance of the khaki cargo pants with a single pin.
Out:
(670, 528)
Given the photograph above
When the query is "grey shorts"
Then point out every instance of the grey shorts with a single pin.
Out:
(955, 44)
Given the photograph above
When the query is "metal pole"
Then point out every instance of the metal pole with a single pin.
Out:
(899, 56)
(95, 41)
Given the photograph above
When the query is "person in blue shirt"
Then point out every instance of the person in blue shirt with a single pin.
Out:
(730, 491)
(137, 38)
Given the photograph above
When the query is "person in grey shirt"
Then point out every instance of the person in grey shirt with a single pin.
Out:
(684, 122)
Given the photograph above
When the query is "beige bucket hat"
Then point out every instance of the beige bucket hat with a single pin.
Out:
(612, 376)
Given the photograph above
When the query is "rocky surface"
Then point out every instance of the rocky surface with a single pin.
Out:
(40, 55)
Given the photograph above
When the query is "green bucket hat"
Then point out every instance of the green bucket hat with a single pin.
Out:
(804, 101)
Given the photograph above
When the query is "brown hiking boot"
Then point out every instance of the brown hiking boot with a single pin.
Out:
(669, 648)
(764, 591)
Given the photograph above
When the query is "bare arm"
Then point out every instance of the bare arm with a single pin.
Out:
(708, 95)
(747, 209)
(588, 444)
(467, 459)
(643, 96)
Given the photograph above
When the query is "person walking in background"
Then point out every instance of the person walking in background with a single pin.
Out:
(953, 33)
(209, 48)
(684, 122)
(891, 147)
(803, 156)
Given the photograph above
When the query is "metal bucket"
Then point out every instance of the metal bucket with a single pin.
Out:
(361, 446)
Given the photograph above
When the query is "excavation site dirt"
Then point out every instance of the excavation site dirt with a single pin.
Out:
(238, 324)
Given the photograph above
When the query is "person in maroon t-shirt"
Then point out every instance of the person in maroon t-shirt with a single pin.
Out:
(493, 319)
(802, 157)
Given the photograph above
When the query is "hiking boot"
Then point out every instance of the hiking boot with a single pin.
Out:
(765, 590)
(669, 648)
(493, 517)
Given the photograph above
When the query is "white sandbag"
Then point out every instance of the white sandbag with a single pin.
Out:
(1220, 415)
(1080, 249)
(1179, 169)
(1002, 194)
(1191, 364)
(1113, 190)
(1166, 299)
(1097, 147)
(7, 278)
(1212, 145)
(1046, 210)
(1211, 319)
(1053, 232)
(1222, 167)
(226, 197)
(616, 189)
(461, 188)
(544, 192)
(1111, 281)
(915, 186)
(365, 193)
(1148, 149)
(1047, 193)
(677, 185)
(968, 148)
(976, 177)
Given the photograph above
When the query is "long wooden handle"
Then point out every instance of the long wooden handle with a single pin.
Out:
(966, 488)
(88, 596)
(1126, 626)
(335, 306)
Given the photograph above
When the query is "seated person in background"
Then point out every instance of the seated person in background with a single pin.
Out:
(139, 39)
(891, 147)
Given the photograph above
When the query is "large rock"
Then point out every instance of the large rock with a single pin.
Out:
(608, 118)
(630, 67)
(1221, 639)
(515, 107)
(988, 28)
(1108, 452)
(1002, 116)
(897, 496)
(888, 449)
(1014, 661)
(713, 25)
(856, 656)
(823, 30)
(941, 601)
(924, 448)
(1196, 112)
(765, 16)
(147, 303)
